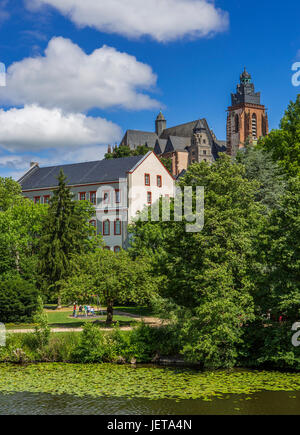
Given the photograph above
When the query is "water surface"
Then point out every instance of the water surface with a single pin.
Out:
(105, 389)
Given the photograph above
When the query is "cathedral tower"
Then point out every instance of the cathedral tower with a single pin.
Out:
(247, 118)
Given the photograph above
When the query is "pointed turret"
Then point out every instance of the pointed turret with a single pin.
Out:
(160, 124)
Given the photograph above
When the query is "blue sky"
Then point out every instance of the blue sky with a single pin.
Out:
(81, 73)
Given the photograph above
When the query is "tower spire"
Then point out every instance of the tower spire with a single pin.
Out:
(160, 123)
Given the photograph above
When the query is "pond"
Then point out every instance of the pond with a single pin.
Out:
(106, 389)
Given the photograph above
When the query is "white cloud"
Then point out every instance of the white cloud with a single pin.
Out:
(15, 165)
(34, 128)
(163, 20)
(68, 78)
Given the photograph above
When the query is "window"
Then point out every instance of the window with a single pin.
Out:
(204, 140)
(107, 248)
(118, 196)
(159, 181)
(147, 179)
(93, 198)
(37, 199)
(118, 227)
(106, 228)
(117, 249)
(46, 199)
(254, 126)
(204, 152)
(106, 197)
(237, 124)
(149, 197)
(82, 196)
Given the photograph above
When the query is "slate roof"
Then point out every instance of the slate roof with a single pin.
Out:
(100, 171)
(175, 143)
(134, 138)
(182, 130)
(160, 146)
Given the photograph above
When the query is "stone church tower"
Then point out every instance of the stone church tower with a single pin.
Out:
(200, 149)
(160, 124)
(247, 118)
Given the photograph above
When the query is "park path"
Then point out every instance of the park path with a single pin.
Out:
(152, 321)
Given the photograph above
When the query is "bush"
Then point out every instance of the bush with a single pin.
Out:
(94, 346)
(18, 300)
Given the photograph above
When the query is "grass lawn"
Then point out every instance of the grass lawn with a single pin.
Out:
(139, 311)
(63, 319)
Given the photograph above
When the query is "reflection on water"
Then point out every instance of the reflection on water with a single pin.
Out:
(270, 403)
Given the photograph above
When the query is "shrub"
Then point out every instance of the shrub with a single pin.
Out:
(94, 346)
(18, 300)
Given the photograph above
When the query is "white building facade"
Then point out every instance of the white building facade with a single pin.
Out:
(118, 189)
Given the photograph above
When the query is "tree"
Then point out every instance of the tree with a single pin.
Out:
(260, 167)
(110, 276)
(18, 300)
(281, 259)
(126, 151)
(10, 191)
(209, 275)
(66, 231)
(20, 229)
(284, 144)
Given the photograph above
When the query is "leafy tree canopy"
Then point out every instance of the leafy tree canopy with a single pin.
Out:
(209, 275)
(126, 151)
(260, 167)
(110, 276)
(284, 144)
(10, 192)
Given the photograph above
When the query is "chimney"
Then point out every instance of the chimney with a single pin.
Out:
(32, 164)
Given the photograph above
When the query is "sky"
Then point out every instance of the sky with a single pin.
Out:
(80, 73)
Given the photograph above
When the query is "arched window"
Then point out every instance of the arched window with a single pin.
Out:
(106, 228)
(107, 248)
(118, 227)
(254, 126)
(264, 125)
(237, 123)
(117, 249)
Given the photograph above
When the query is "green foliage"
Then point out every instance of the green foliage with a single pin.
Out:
(167, 163)
(126, 151)
(209, 275)
(20, 229)
(18, 300)
(284, 144)
(10, 192)
(112, 277)
(282, 256)
(65, 232)
(42, 329)
(91, 348)
(260, 167)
